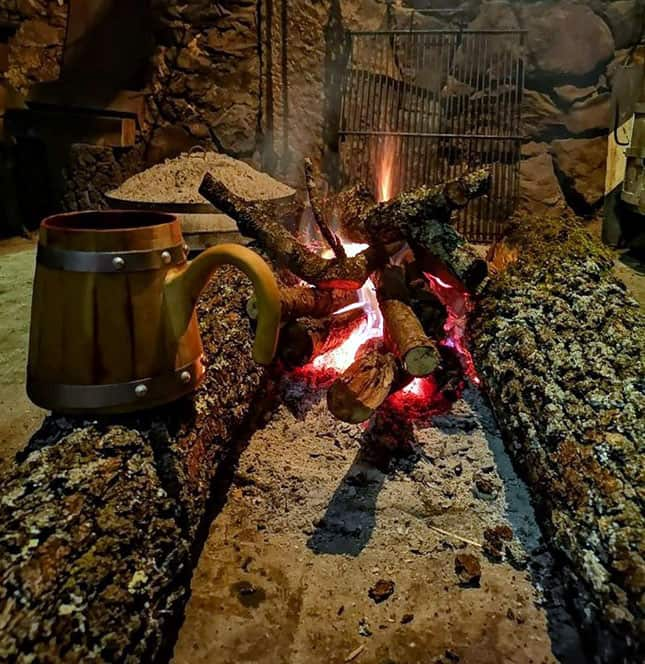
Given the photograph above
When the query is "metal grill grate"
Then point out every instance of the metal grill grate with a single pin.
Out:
(423, 106)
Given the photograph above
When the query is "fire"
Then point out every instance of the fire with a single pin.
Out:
(340, 358)
(421, 397)
(385, 175)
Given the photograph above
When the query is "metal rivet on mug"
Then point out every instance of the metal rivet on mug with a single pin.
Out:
(141, 390)
(185, 377)
(166, 257)
(118, 263)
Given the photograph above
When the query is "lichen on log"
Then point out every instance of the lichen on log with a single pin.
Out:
(100, 521)
(560, 345)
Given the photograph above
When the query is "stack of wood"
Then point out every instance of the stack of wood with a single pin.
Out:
(318, 317)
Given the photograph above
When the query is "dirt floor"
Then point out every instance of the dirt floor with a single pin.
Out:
(320, 511)
(20, 418)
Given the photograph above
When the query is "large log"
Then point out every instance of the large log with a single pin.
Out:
(256, 220)
(304, 301)
(302, 340)
(101, 522)
(560, 347)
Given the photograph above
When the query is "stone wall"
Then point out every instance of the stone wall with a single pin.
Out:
(259, 79)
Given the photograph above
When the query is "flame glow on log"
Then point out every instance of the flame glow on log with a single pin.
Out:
(422, 396)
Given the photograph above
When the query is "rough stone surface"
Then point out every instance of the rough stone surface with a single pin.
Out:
(581, 163)
(625, 19)
(565, 40)
(36, 49)
(589, 116)
(539, 186)
(540, 116)
(100, 520)
(560, 345)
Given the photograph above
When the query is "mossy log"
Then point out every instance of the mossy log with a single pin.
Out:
(560, 345)
(101, 522)
(258, 221)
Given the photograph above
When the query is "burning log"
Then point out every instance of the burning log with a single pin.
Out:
(422, 218)
(348, 208)
(301, 301)
(256, 220)
(405, 334)
(303, 340)
(401, 217)
(430, 311)
(330, 237)
(364, 386)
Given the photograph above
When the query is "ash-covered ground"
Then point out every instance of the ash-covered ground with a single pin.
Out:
(384, 543)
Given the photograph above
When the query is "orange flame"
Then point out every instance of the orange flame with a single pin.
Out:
(385, 174)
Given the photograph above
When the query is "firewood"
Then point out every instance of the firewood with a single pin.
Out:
(422, 218)
(403, 330)
(330, 237)
(256, 220)
(301, 301)
(400, 217)
(347, 210)
(430, 311)
(303, 340)
(363, 387)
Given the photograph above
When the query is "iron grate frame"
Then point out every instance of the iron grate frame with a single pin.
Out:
(436, 103)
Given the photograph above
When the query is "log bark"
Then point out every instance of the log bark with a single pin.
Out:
(303, 301)
(347, 211)
(256, 220)
(561, 357)
(302, 340)
(400, 217)
(363, 387)
(101, 522)
(403, 331)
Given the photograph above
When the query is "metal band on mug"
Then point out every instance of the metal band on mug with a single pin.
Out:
(153, 391)
(70, 260)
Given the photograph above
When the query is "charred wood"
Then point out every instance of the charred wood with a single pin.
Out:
(302, 340)
(330, 237)
(301, 301)
(364, 386)
(348, 208)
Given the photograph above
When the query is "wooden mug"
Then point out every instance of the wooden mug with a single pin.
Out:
(113, 324)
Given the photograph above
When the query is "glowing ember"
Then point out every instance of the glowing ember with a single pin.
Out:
(422, 396)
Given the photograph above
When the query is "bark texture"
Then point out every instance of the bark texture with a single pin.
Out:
(259, 222)
(561, 349)
(100, 521)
